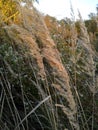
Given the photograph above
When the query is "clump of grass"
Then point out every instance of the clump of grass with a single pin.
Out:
(22, 84)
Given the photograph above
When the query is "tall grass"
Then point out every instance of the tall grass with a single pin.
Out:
(37, 93)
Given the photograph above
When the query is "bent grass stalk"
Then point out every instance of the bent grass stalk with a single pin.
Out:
(33, 111)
